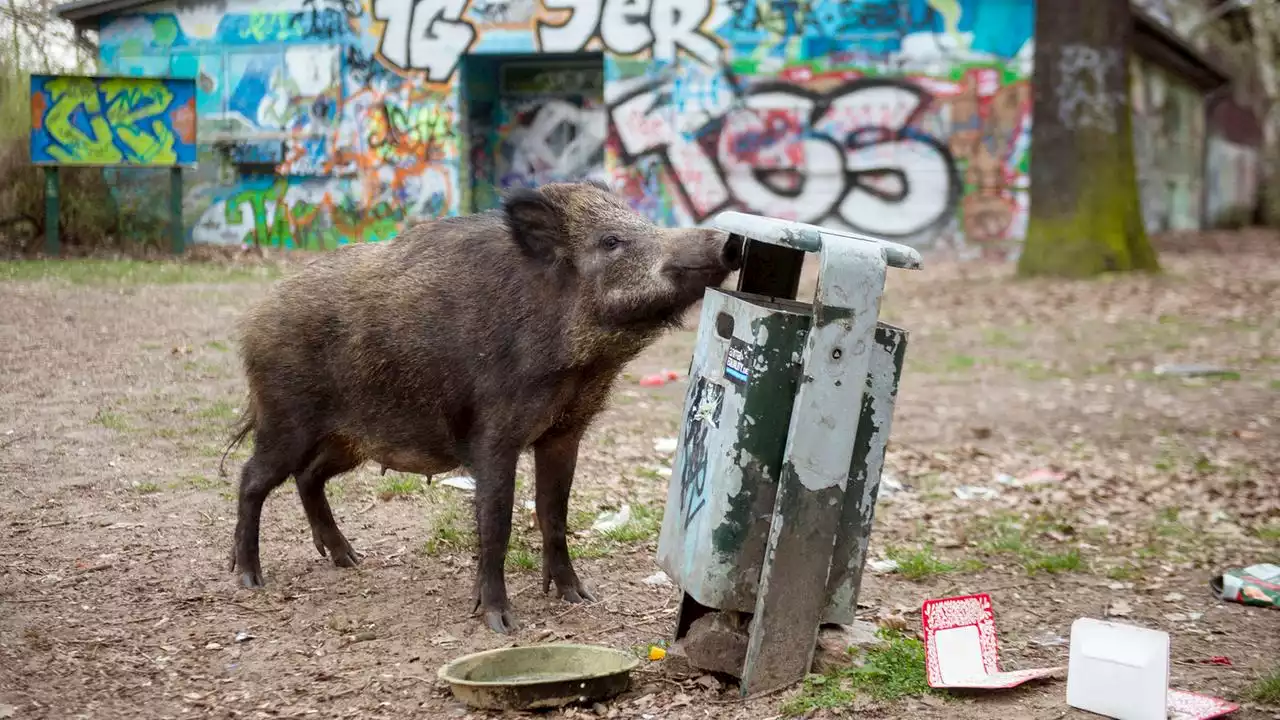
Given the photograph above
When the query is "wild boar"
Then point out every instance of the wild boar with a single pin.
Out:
(464, 342)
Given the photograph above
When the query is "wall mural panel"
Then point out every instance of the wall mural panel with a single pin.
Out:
(323, 122)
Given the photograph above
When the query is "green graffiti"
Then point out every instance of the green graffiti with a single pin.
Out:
(70, 94)
(307, 225)
(165, 31)
(129, 102)
(275, 27)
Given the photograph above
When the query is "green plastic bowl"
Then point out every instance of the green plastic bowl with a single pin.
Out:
(539, 676)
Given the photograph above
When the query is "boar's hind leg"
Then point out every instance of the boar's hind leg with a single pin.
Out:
(265, 471)
(495, 473)
(554, 461)
(330, 460)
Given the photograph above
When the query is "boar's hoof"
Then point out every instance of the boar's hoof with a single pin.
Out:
(343, 554)
(251, 579)
(577, 595)
(500, 621)
(347, 558)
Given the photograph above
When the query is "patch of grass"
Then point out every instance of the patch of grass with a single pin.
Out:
(649, 473)
(217, 345)
(999, 338)
(1274, 384)
(452, 531)
(918, 564)
(146, 487)
(131, 272)
(111, 421)
(1127, 571)
(522, 558)
(399, 485)
(1269, 532)
(1009, 534)
(644, 525)
(221, 411)
(956, 363)
(819, 692)
(200, 482)
(892, 670)
(1035, 370)
(1267, 689)
(1069, 561)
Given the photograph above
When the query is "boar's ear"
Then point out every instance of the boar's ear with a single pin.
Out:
(535, 222)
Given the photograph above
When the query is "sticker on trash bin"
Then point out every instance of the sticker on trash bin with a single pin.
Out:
(736, 367)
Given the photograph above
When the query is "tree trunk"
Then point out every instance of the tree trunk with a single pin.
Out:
(1262, 23)
(1086, 215)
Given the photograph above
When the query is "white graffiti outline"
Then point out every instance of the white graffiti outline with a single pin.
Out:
(855, 157)
(429, 35)
(629, 27)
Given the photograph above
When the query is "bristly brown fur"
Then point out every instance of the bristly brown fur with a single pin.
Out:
(463, 342)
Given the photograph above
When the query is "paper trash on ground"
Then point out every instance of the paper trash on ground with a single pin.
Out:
(960, 648)
(1122, 671)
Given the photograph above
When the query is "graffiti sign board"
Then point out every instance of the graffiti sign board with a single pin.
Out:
(101, 121)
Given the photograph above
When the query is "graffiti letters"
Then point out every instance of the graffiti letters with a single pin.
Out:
(281, 215)
(1084, 97)
(704, 414)
(111, 121)
(560, 141)
(428, 35)
(326, 19)
(418, 131)
(808, 156)
(628, 27)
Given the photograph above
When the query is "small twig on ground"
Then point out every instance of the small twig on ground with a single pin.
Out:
(572, 608)
(649, 620)
(349, 691)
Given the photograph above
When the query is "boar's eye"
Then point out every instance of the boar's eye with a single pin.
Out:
(611, 242)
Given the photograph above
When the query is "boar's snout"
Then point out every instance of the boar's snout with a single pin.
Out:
(731, 252)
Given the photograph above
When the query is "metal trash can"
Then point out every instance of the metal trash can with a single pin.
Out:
(786, 418)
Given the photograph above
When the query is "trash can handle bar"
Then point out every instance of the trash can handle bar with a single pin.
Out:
(809, 238)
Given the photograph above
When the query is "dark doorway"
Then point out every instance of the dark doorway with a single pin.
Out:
(532, 119)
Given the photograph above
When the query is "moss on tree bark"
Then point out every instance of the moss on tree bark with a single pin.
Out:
(1086, 212)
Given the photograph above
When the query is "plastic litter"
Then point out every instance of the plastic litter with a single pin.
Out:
(976, 492)
(610, 521)
(464, 483)
(1257, 585)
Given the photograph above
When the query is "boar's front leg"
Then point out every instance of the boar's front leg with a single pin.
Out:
(495, 473)
(555, 458)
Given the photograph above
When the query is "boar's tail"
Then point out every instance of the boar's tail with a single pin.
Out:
(247, 422)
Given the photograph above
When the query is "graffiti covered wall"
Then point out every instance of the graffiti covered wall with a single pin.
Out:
(330, 121)
(1169, 145)
(95, 121)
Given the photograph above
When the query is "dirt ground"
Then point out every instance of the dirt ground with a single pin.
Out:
(119, 382)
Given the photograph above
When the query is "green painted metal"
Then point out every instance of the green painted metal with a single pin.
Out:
(744, 375)
(177, 234)
(860, 495)
(52, 239)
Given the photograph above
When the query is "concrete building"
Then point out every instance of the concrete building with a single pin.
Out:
(322, 122)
